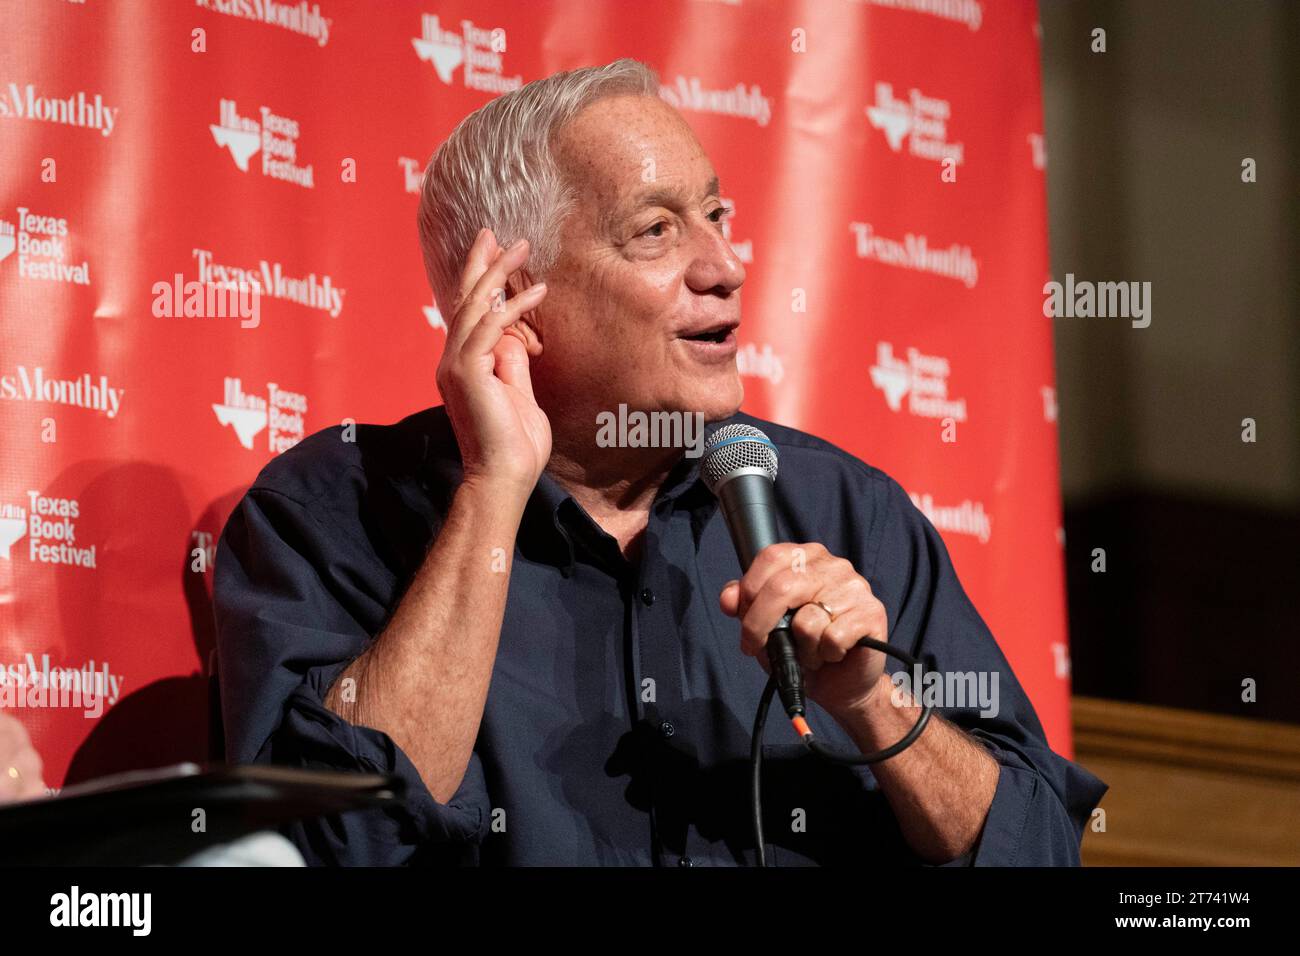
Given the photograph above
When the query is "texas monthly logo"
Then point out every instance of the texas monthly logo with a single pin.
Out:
(301, 18)
(271, 280)
(79, 109)
(690, 93)
(34, 385)
(274, 136)
(280, 413)
(968, 517)
(41, 242)
(481, 53)
(50, 526)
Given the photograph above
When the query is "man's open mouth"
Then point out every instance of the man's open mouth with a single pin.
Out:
(716, 334)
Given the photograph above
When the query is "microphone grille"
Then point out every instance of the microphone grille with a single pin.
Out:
(737, 449)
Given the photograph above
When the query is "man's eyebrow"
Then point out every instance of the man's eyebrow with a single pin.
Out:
(662, 196)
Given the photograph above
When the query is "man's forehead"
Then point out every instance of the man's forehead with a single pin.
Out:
(625, 152)
(628, 125)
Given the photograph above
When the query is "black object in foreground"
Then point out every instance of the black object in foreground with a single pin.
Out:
(150, 817)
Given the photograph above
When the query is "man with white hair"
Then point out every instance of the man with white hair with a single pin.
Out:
(545, 635)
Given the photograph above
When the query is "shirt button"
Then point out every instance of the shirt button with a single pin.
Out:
(647, 597)
(686, 861)
(667, 728)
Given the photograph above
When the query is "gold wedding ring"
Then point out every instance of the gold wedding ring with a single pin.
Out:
(829, 612)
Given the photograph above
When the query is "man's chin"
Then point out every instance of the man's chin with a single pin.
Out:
(717, 400)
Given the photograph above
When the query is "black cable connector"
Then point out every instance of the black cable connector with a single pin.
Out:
(785, 669)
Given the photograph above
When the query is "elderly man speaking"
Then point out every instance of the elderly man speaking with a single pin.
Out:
(547, 634)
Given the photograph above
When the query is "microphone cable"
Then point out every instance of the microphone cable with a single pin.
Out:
(739, 468)
(816, 746)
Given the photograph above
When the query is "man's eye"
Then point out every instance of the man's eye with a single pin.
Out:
(651, 231)
(721, 213)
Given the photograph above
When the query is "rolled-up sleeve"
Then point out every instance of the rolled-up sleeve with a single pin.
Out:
(296, 600)
(1043, 801)
(1031, 822)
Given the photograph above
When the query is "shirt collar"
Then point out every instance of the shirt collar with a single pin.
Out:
(548, 527)
(542, 535)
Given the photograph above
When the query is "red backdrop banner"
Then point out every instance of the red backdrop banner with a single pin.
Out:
(884, 162)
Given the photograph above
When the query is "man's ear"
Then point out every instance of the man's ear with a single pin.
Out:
(526, 326)
(529, 324)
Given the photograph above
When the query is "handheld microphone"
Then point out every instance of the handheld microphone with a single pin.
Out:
(740, 469)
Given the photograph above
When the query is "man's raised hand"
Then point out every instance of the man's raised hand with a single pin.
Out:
(504, 437)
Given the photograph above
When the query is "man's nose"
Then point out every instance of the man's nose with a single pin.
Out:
(714, 265)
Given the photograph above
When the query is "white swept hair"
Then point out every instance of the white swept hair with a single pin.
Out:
(496, 169)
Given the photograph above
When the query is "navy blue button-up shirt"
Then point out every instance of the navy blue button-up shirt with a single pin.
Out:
(617, 722)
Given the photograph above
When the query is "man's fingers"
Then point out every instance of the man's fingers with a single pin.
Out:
(830, 640)
(729, 598)
(808, 624)
(480, 302)
(511, 356)
(487, 333)
(481, 254)
(783, 590)
(769, 561)
(815, 643)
